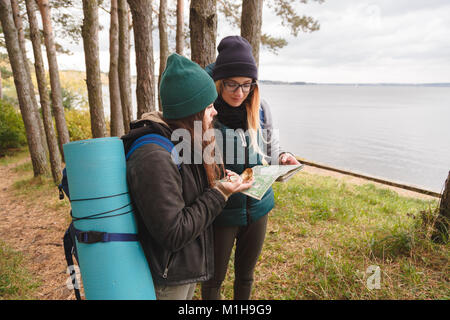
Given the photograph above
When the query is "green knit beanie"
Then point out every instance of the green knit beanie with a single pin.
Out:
(185, 88)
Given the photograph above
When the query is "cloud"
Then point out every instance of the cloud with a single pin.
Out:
(358, 41)
(369, 41)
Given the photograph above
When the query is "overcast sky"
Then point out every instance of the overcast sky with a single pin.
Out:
(374, 41)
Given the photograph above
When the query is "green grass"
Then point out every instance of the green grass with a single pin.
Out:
(13, 156)
(24, 167)
(15, 280)
(323, 235)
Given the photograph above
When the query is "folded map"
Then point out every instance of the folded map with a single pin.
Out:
(265, 176)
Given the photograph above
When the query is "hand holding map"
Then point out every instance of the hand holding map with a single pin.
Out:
(265, 176)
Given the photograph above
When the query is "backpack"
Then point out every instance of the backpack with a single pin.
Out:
(69, 242)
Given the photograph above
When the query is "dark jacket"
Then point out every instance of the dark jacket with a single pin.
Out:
(174, 210)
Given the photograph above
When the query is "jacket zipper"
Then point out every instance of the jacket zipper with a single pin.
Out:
(246, 163)
(166, 269)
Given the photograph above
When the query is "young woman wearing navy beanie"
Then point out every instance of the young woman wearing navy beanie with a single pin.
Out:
(244, 219)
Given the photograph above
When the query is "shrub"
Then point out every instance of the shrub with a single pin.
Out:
(71, 100)
(79, 124)
(12, 130)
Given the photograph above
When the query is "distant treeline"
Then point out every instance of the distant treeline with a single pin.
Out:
(301, 83)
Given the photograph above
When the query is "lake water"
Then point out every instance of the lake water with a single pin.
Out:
(400, 133)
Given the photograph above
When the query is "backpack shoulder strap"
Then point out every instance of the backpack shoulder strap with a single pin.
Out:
(64, 186)
(156, 139)
(69, 251)
(261, 116)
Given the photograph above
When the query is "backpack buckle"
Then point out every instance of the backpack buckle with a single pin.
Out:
(90, 236)
(61, 194)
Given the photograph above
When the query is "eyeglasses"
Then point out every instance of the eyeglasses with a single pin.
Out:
(232, 86)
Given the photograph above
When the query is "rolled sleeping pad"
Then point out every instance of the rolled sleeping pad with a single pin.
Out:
(115, 270)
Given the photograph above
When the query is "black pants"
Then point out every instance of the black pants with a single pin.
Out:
(249, 243)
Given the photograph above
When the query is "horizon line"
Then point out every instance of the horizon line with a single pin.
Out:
(298, 82)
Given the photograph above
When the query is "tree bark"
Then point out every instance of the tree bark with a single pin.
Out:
(442, 223)
(124, 64)
(52, 142)
(179, 38)
(163, 42)
(56, 95)
(116, 126)
(203, 31)
(141, 10)
(20, 33)
(93, 80)
(251, 22)
(21, 81)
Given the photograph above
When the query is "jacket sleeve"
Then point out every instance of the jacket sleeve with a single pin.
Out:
(155, 186)
(270, 135)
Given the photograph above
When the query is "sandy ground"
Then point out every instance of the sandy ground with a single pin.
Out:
(37, 233)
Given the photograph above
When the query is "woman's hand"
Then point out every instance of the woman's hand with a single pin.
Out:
(234, 183)
(288, 159)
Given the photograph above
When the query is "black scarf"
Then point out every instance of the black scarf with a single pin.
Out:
(232, 117)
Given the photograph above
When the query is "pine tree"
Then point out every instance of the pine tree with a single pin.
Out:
(203, 31)
(141, 11)
(442, 223)
(22, 84)
(179, 39)
(163, 41)
(116, 125)
(91, 56)
(251, 22)
(52, 141)
(124, 64)
(56, 94)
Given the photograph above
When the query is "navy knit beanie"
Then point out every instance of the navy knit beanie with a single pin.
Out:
(235, 59)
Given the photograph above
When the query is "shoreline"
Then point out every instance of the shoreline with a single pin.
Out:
(359, 179)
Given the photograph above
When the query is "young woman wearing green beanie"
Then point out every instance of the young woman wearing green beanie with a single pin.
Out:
(175, 206)
(243, 219)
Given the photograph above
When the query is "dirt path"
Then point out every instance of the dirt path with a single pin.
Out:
(30, 228)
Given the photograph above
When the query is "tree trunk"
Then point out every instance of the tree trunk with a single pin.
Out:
(52, 142)
(179, 38)
(21, 81)
(93, 80)
(124, 64)
(442, 223)
(57, 106)
(1, 93)
(141, 10)
(163, 42)
(116, 125)
(20, 33)
(203, 31)
(251, 22)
